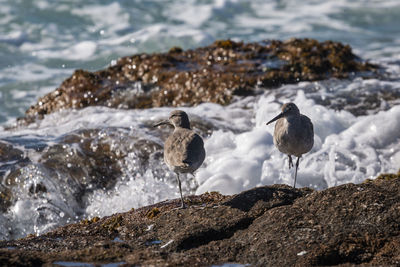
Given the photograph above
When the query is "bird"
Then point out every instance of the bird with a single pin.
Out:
(293, 134)
(183, 149)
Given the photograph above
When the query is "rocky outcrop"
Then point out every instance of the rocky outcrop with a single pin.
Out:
(266, 226)
(214, 73)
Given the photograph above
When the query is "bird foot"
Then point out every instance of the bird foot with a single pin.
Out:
(182, 207)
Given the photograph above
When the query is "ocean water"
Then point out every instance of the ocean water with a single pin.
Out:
(42, 42)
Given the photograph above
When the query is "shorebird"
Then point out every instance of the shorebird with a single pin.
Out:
(293, 134)
(184, 149)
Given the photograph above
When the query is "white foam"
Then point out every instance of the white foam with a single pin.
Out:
(346, 149)
(190, 12)
(294, 18)
(240, 154)
(38, 212)
(135, 193)
(14, 38)
(109, 17)
(31, 72)
(79, 51)
(161, 37)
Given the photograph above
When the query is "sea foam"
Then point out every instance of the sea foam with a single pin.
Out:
(346, 149)
(240, 155)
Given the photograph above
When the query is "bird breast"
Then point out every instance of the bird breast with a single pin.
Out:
(184, 150)
(294, 135)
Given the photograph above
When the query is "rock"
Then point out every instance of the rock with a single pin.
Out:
(69, 169)
(86, 160)
(11, 160)
(82, 161)
(214, 73)
(351, 224)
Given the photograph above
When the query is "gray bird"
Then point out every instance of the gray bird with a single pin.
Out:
(184, 149)
(293, 134)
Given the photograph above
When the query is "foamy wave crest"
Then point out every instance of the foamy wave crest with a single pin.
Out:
(347, 149)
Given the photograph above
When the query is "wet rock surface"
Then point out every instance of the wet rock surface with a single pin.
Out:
(215, 73)
(58, 175)
(351, 224)
(11, 160)
(83, 161)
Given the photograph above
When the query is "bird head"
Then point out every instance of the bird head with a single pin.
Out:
(177, 118)
(288, 109)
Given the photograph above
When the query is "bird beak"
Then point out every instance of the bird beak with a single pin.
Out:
(162, 123)
(276, 118)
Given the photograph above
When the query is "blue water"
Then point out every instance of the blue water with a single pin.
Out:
(42, 42)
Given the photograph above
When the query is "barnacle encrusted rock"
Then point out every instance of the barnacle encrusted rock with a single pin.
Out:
(213, 73)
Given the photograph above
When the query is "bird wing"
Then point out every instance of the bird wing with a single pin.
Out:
(308, 129)
(195, 152)
(184, 149)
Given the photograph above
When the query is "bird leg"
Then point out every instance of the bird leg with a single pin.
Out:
(180, 190)
(295, 173)
(290, 162)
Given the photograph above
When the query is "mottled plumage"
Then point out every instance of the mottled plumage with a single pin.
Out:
(184, 149)
(293, 134)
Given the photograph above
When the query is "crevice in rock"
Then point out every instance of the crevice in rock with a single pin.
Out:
(205, 237)
(334, 257)
(275, 197)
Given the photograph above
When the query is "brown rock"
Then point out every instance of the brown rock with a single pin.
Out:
(351, 224)
(208, 74)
